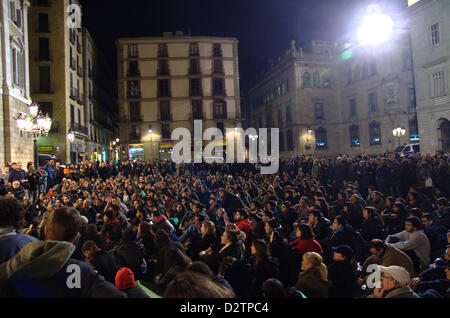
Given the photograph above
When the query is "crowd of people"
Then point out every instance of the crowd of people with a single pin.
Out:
(328, 227)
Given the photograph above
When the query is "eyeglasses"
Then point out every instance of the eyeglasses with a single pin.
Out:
(386, 276)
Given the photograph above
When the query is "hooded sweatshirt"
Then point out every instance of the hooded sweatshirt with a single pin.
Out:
(46, 269)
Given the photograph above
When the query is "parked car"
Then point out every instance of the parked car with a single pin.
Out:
(408, 149)
(44, 157)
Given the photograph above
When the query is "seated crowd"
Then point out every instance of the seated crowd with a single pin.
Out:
(329, 227)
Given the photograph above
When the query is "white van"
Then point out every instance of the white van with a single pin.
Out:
(408, 149)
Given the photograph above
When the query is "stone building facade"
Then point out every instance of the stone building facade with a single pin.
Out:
(15, 89)
(429, 21)
(329, 98)
(56, 77)
(168, 82)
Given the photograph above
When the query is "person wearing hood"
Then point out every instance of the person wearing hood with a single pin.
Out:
(394, 283)
(125, 282)
(129, 253)
(341, 273)
(46, 269)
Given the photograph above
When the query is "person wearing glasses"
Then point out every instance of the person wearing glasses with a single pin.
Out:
(394, 283)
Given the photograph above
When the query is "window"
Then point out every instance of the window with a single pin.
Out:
(18, 67)
(373, 67)
(281, 141)
(218, 67)
(132, 70)
(354, 136)
(44, 79)
(438, 84)
(193, 49)
(220, 109)
(411, 98)
(357, 73)
(349, 76)
(16, 13)
(135, 111)
(288, 114)
(71, 85)
(352, 106)
(326, 81)
(79, 117)
(43, 3)
(135, 132)
(318, 110)
(435, 34)
(306, 80)
(316, 80)
(44, 49)
(290, 140)
(162, 50)
(196, 87)
(197, 109)
(46, 108)
(406, 59)
(217, 51)
(283, 88)
(164, 110)
(43, 22)
(321, 138)
(220, 126)
(373, 103)
(163, 88)
(72, 113)
(133, 89)
(163, 67)
(374, 133)
(165, 131)
(132, 50)
(280, 117)
(218, 86)
(413, 130)
(195, 69)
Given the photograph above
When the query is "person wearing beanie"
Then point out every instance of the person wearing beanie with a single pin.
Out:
(125, 283)
(394, 283)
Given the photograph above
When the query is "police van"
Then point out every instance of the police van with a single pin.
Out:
(408, 149)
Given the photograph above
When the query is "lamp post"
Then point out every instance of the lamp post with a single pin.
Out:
(34, 124)
(399, 132)
(71, 139)
(376, 28)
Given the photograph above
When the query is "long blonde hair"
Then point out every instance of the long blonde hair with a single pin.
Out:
(316, 262)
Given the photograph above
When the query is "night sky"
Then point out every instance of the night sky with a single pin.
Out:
(264, 28)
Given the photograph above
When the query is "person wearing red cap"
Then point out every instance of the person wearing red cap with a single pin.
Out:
(125, 282)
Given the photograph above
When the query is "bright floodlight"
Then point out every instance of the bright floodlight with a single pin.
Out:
(375, 29)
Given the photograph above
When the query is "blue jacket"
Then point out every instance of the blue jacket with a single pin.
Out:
(50, 172)
(12, 243)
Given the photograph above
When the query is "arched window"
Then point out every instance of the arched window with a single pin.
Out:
(321, 138)
(357, 73)
(374, 133)
(354, 136)
(316, 80)
(290, 140)
(306, 80)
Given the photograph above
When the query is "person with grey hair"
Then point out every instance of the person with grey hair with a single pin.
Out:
(394, 283)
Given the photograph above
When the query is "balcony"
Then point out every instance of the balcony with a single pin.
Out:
(220, 116)
(133, 73)
(81, 99)
(194, 116)
(43, 3)
(136, 117)
(74, 94)
(195, 93)
(166, 135)
(164, 117)
(79, 129)
(55, 127)
(91, 74)
(132, 95)
(219, 92)
(135, 137)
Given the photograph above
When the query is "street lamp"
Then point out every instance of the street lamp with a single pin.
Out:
(399, 132)
(35, 124)
(71, 139)
(375, 29)
(151, 139)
